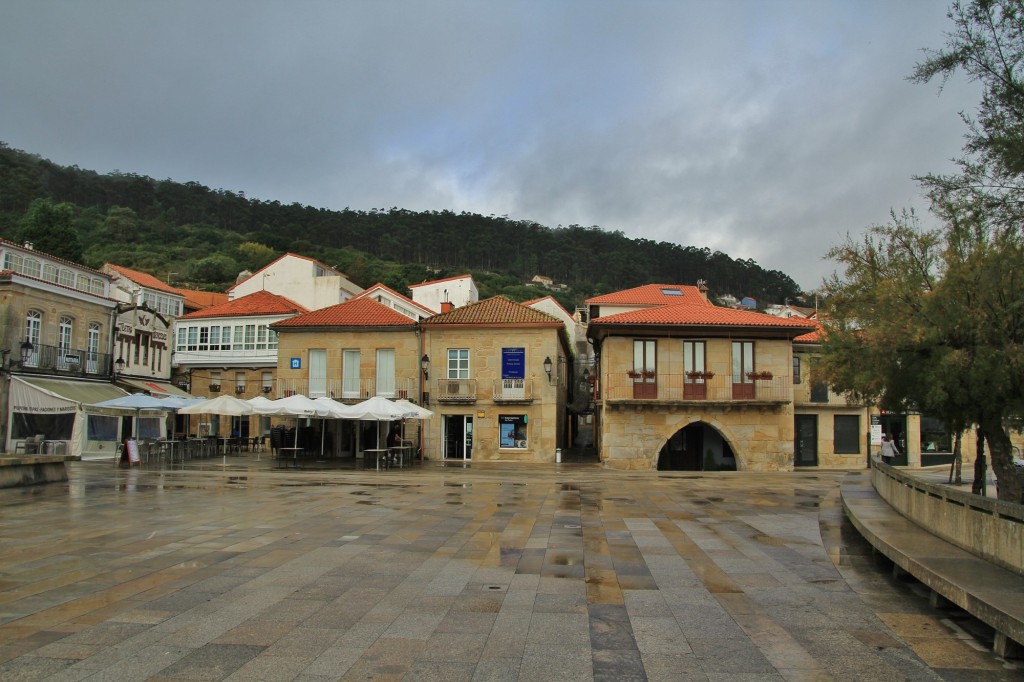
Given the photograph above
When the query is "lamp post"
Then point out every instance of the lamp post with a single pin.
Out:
(26, 351)
(425, 368)
(547, 368)
(118, 367)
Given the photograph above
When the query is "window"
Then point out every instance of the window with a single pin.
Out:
(267, 382)
(82, 282)
(350, 374)
(13, 261)
(694, 353)
(50, 272)
(512, 431)
(32, 268)
(458, 363)
(96, 287)
(846, 434)
(317, 372)
(386, 372)
(935, 437)
(92, 361)
(742, 361)
(33, 329)
(796, 369)
(250, 337)
(239, 382)
(66, 278)
(644, 354)
(64, 337)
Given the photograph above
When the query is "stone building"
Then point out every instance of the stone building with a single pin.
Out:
(498, 377)
(683, 384)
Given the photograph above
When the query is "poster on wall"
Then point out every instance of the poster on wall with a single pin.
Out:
(513, 363)
(512, 431)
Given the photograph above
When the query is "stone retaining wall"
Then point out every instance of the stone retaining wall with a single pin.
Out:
(33, 469)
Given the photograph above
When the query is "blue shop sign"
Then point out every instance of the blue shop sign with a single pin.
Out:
(513, 363)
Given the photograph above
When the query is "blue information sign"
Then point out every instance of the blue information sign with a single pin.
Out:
(296, 363)
(513, 363)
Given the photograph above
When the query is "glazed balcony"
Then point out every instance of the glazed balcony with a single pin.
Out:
(348, 390)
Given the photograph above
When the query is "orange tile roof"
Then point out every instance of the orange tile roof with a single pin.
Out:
(810, 337)
(202, 299)
(356, 312)
(143, 279)
(256, 303)
(651, 294)
(497, 310)
(437, 281)
(702, 316)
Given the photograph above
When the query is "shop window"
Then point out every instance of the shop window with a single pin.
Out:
(512, 431)
(935, 437)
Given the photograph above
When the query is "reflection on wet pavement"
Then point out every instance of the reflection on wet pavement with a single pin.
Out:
(468, 572)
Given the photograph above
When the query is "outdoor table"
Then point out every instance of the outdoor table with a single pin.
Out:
(399, 453)
(378, 454)
(295, 455)
(170, 443)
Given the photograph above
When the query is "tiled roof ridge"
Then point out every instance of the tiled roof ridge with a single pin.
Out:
(367, 292)
(355, 312)
(143, 278)
(498, 309)
(249, 305)
(50, 255)
(688, 313)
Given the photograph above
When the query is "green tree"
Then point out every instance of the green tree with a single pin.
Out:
(213, 269)
(49, 228)
(933, 321)
(121, 224)
(253, 256)
(987, 45)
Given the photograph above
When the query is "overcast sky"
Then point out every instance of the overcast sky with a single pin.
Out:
(766, 129)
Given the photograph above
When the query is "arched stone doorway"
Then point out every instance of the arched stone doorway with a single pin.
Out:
(697, 447)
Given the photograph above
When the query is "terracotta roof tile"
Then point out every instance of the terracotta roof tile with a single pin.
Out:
(652, 294)
(703, 316)
(357, 312)
(143, 278)
(810, 337)
(497, 310)
(202, 299)
(256, 303)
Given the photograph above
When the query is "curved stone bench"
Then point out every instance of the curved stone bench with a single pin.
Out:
(989, 592)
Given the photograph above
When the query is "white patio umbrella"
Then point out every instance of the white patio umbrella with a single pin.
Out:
(379, 409)
(222, 404)
(137, 402)
(336, 411)
(296, 405)
(421, 412)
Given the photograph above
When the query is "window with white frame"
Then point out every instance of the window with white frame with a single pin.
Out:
(350, 374)
(386, 372)
(458, 363)
(92, 362)
(317, 372)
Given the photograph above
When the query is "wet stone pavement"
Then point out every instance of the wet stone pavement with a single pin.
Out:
(486, 572)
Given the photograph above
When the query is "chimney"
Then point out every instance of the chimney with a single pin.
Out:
(446, 306)
(702, 287)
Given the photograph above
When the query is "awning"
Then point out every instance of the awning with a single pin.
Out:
(37, 395)
(157, 389)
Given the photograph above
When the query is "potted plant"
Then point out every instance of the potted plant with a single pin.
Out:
(700, 376)
(763, 376)
(214, 388)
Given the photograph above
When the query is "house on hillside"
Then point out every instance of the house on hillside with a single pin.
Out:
(396, 301)
(686, 385)
(232, 348)
(300, 279)
(441, 295)
(498, 375)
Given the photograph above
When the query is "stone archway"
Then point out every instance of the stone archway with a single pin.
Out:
(697, 446)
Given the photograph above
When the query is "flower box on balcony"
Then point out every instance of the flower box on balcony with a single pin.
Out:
(700, 376)
(214, 388)
(642, 374)
(267, 389)
(239, 389)
(759, 376)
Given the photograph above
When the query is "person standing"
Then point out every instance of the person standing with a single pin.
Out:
(888, 450)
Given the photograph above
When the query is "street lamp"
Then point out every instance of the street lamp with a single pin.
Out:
(425, 365)
(547, 368)
(118, 367)
(26, 351)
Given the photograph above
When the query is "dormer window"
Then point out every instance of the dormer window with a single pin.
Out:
(672, 292)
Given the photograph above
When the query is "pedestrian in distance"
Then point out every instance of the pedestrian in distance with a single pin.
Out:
(888, 450)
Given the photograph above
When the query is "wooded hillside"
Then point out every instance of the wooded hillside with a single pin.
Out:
(202, 237)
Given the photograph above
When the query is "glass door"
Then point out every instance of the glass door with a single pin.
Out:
(458, 436)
